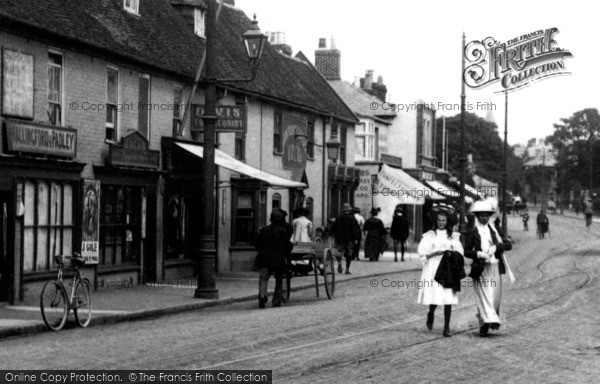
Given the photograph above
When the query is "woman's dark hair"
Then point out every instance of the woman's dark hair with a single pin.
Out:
(449, 225)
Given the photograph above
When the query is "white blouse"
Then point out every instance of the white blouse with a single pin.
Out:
(438, 240)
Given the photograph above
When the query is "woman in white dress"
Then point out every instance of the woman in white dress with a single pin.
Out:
(431, 249)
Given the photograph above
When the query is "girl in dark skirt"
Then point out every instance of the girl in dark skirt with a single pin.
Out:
(375, 236)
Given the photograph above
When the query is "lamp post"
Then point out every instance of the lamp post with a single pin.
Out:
(463, 160)
(255, 43)
(505, 173)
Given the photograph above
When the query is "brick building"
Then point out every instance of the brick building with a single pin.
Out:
(90, 157)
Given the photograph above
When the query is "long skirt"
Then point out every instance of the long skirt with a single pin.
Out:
(488, 294)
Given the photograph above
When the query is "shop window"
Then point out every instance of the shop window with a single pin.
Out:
(55, 73)
(175, 227)
(47, 223)
(112, 100)
(120, 225)
(276, 201)
(244, 217)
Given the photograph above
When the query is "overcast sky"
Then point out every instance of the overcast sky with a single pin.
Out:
(416, 47)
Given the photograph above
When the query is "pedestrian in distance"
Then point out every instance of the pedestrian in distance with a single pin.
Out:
(346, 233)
(361, 223)
(485, 245)
(273, 245)
(432, 248)
(399, 232)
(542, 224)
(376, 233)
(525, 217)
(589, 212)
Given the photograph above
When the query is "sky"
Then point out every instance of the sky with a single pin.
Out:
(416, 48)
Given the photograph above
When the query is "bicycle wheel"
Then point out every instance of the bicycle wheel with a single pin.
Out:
(54, 305)
(82, 302)
(328, 273)
(285, 289)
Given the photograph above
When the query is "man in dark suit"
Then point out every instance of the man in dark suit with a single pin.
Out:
(485, 245)
(273, 245)
(346, 233)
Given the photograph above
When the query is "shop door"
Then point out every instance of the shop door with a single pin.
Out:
(5, 245)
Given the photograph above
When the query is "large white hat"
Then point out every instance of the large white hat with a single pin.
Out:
(482, 207)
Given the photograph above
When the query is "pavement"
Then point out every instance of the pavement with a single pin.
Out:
(112, 304)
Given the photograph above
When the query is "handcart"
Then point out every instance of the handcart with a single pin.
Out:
(320, 257)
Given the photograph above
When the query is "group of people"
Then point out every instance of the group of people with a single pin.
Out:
(441, 253)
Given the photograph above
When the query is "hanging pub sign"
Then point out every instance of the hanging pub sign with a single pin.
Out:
(231, 118)
(41, 139)
(90, 239)
(294, 148)
(133, 152)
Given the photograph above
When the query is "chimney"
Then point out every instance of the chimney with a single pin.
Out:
(277, 41)
(357, 81)
(327, 61)
(368, 79)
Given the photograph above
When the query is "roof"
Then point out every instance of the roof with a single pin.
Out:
(161, 40)
(360, 101)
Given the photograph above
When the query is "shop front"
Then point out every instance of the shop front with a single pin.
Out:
(39, 204)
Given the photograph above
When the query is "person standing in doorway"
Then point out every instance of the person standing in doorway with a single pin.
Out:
(346, 233)
(399, 232)
(361, 223)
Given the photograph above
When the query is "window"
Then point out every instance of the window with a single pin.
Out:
(334, 130)
(244, 229)
(240, 143)
(365, 141)
(55, 88)
(310, 207)
(427, 138)
(144, 106)
(177, 109)
(310, 146)
(132, 6)
(199, 15)
(112, 99)
(120, 225)
(278, 133)
(47, 223)
(276, 201)
(343, 145)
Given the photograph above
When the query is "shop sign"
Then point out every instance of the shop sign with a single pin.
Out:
(231, 118)
(133, 152)
(294, 149)
(41, 139)
(90, 239)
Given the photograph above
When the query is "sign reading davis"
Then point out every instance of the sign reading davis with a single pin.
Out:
(41, 139)
(133, 152)
(232, 118)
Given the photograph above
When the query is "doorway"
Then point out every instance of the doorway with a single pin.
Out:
(6, 254)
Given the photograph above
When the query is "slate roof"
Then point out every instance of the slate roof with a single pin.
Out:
(160, 40)
(360, 101)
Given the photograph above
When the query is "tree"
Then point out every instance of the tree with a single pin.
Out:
(575, 140)
(484, 142)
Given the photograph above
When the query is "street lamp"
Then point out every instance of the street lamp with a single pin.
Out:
(254, 42)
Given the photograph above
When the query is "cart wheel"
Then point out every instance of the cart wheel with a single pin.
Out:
(328, 273)
(285, 288)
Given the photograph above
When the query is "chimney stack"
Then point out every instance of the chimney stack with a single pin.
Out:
(368, 79)
(378, 89)
(327, 61)
(277, 41)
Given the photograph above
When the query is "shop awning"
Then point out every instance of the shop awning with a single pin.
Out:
(395, 185)
(224, 160)
(445, 190)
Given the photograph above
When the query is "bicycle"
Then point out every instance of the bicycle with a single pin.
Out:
(55, 303)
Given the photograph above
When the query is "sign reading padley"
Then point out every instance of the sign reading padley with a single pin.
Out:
(35, 138)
